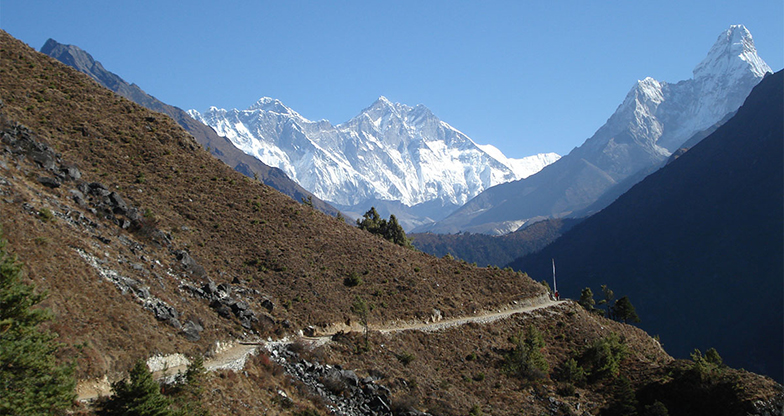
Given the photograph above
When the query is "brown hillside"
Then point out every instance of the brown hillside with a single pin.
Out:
(237, 229)
(147, 245)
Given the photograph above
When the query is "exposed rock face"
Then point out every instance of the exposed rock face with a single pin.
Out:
(342, 390)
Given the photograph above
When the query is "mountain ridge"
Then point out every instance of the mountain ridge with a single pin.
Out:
(219, 146)
(149, 247)
(389, 151)
(698, 235)
(654, 120)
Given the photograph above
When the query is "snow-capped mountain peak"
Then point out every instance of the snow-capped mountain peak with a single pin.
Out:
(655, 119)
(733, 53)
(390, 151)
(272, 105)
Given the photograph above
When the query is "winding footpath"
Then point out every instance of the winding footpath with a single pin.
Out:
(232, 356)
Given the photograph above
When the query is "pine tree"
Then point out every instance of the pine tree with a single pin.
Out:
(361, 308)
(189, 389)
(372, 222)
(526, 359)
(609, 295)
(586, 299)
(391, 230)
(625, 403)
(623, 310)
(31, 383)
(394, 232)
(139, 396)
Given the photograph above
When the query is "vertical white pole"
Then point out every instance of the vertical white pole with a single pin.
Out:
(555, 287)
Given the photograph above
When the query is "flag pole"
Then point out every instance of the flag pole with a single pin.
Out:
(555, 287)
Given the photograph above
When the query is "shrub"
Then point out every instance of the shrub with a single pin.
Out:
(566, 389)
(526, 360)
(706, 367)
(352, 280)
(139, 395)
(46, 215)
(405, 358)
(603, 358)
(571, 372)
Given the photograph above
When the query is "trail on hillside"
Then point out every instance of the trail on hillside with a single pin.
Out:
(234, 355)
(482, 318)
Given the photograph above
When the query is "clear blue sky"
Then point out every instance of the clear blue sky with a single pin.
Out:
(527, 77)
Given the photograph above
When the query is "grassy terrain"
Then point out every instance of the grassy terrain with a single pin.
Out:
(266, 247)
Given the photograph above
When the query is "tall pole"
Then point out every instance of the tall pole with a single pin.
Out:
(555, 287)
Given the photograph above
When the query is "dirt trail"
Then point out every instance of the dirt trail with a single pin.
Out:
(483, 318)
(234, 356)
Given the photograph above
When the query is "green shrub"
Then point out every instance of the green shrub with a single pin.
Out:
(526, 359)
(405, 358)
(46, 215)
(571, 372)
(352, 280)
(603, 358)
(706, 367)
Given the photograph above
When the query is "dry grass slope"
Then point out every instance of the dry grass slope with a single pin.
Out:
(260, 242)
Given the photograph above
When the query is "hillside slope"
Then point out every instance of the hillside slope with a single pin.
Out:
(697, 246)
(219, 146)
(148, 246)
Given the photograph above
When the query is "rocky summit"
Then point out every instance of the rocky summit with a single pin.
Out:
(653, 121)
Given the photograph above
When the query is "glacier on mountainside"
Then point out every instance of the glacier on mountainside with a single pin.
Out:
(389, 151)
(653, 121)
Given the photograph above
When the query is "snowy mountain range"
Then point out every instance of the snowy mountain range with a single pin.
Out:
(390, 154)
(653, 121)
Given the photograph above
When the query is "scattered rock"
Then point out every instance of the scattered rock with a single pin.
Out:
(343, 392)
(49, 182)
(192, 330)
(267, 304)
(71, 173)
(77, 197)
(189, 264)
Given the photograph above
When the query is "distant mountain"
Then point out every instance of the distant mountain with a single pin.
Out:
(194, 261)
(698, 245)
(390, 154)
(654, 120)
(219, 146)
(493, 250)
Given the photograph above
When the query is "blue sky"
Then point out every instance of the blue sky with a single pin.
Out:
(527, 77)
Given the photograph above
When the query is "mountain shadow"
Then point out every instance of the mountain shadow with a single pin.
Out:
(697, 245)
